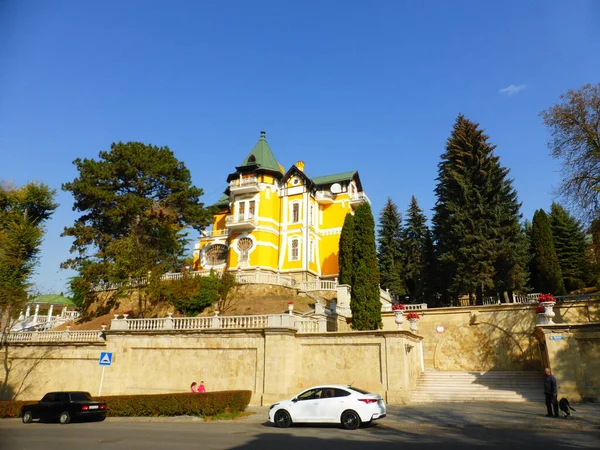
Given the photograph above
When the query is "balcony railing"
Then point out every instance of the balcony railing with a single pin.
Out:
(241, 223)
(244, 185)
(324, 197)
(213, 234)
(359, 198)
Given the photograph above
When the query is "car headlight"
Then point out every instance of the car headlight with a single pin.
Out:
(273, 406)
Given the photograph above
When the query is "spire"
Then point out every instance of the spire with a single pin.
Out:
(262, 156)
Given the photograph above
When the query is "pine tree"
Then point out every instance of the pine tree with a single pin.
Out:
(388, 249)
(346, 245)
(416, 244)
(365, 294)
(546, 276)
(479, 244)
(570, 246)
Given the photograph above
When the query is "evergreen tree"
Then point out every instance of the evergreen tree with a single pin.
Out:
(546, 276)
(570, 246)
(346, 245)
(389, 250)
(479, 242)
(137, 203)
(365, 294)
(416, 244)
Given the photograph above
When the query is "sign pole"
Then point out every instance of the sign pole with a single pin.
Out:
(101, 381)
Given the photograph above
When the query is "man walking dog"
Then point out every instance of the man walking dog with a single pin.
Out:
(551, 394)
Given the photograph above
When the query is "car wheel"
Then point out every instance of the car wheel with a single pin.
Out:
(64, 417)
(283, 419)
(350, 420)
(27, 417)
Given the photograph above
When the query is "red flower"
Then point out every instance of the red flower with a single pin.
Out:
(546, 298)
(540, 309)
(398, 307)
(412, 315)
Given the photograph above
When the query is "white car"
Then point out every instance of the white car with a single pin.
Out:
(343, 404)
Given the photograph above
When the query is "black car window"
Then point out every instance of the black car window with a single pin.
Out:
(49, 397)
(341, 393)
(80, 396)
(311, 394)
(62, 397)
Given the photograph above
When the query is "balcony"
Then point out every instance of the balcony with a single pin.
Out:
(324, 197)
(358, 199)
(244, 185)
(213, 234)
(240, 224)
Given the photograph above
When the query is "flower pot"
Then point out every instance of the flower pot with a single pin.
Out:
(541, 318)
(413, 324)
(549, 313)
(399, 319)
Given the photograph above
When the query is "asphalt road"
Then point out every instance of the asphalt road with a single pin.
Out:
(454, 426)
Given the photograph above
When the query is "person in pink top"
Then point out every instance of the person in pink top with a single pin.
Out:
(201, 387)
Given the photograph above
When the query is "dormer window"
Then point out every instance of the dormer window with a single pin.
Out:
(252, 159)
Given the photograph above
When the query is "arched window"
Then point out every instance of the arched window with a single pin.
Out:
(216, 255)
(244, 245)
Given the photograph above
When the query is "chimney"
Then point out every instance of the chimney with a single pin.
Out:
(300, 165)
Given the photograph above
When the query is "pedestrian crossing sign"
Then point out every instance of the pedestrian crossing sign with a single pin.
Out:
(105, 358)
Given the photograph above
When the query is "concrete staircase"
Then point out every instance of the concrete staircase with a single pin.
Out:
(492, 386)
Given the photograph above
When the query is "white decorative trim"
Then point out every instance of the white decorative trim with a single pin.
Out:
(268, 219)
(295, 190)
(331, 231)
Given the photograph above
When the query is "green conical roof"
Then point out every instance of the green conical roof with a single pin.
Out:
(262, 156)
(53, 299)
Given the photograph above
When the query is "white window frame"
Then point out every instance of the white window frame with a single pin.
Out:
(295, 257)
(292, 206)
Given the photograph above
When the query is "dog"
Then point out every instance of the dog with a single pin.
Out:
(564, 406)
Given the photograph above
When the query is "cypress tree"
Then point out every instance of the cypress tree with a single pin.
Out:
(346, 246)
(416, 244)
(388, 249)
(570, 246)
(365, 303)
(546, 276)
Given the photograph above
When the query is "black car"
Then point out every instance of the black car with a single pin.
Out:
(64, 407)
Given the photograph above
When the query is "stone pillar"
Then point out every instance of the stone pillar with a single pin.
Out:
(35, 314)
(280, 374)
(50, 311)
(28, 311)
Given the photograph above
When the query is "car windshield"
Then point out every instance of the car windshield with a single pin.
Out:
(80, 396)
(360, 391)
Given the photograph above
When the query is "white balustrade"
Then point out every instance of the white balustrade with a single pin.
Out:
(54, 336)
(416, 307)
(191, 323)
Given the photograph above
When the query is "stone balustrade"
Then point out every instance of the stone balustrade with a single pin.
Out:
(302, 324)
(83, 336)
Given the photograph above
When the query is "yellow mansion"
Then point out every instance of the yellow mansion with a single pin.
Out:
(278, 222)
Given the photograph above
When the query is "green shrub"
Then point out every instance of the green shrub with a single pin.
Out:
(191, 404)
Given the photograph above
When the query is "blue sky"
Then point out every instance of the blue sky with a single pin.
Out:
(373, 86)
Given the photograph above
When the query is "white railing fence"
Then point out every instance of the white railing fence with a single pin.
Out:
(55, 336)
(260, 321)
